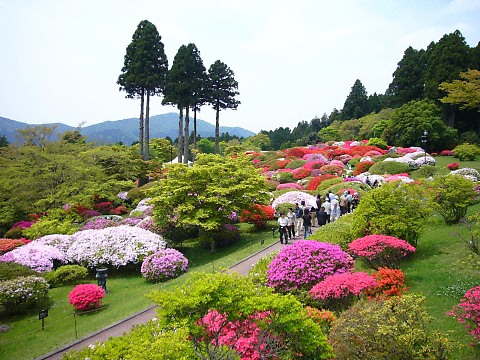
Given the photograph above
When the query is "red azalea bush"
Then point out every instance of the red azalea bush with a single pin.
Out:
(324, 318)
(258, 215)
(314, 165)
(245, 337)
(340, 290)
(332, 169)
(282, 163)
(316, 181)
(119, 210)
(103, 207)
(296, 152)
(7, 245)
(363, 167)
(446, 153)
(467, 312)
(301, 173)
(390, 282)
(453, 166)
(86, 296)
(380, 250)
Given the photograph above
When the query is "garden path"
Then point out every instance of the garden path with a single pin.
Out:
(125, 325)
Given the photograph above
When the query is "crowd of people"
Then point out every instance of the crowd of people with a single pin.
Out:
(299, 220)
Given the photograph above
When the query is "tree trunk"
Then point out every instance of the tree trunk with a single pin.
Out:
(194, 132)
(217, 132)
(187, 135)
(180, 135)
(147, 128)
(140, 132)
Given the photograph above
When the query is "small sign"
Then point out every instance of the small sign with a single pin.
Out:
(43, 314)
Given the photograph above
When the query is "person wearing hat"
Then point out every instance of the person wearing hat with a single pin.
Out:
(283, 223)
(335, 209)
(343, 203)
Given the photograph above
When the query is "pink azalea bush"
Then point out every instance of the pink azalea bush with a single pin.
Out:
(245, 337)
(34, 255)
(295, 186)
(380, 250)
(86, 296)
(453, 166)
(306, 262)
(467, 312)
(163, 265)
(339, 290)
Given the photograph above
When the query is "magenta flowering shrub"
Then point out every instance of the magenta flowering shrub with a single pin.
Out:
(129, 221)
(86, 296)
(35, 255)
(295, 186)
(467, 312)
(446, 153)
(163, 265)
(306, 262)
(340, 290)
(453, 166)
(380, 250)
(98, 223)
(87, 214)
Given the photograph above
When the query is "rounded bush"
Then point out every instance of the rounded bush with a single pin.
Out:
(283, 177)
(67, 274)
(389, 167)
(227, 235)
(467, 312)
(22, 293)
(164, 265)
(86, 296)
(294, 164)
(36, 256)
(466, 152)
(306, 262)
(11, 270)
(7, 245)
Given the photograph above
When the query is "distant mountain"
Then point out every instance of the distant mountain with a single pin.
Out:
(126, 130)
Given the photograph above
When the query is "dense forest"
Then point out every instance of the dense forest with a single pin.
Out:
(425, 94)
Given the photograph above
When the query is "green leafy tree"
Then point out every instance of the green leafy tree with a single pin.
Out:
(205, 194)
(329, 133)
(144, 74)
(285, 332)
(3, 141)
(278, 137)
(408, 78)
(257, 142)
(408, 123)
(452, 195)
(393, 209)
(38, 135)
(206, 146)
(465, 92)
(356, 104)
(222, 89)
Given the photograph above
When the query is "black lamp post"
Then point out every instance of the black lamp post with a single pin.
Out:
(424, 141)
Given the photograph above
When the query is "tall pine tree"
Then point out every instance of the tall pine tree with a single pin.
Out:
(356, 104)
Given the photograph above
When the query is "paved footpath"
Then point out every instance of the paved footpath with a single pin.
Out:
(125, 325)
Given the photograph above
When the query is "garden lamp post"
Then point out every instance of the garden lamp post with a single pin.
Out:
(102, 278)
(424, 141)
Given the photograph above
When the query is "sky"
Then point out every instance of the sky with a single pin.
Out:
(293, 60)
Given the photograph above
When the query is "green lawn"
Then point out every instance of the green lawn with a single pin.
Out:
(443, 161)
(126, 296)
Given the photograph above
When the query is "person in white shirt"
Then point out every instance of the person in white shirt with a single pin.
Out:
(327, 206)
(283, 223)
(335, 209)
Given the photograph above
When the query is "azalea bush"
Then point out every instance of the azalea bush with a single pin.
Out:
(467, 312)
(98, 223)
(306, 262)
(301, 173)
(339, 291)
(114, 246)
(164, 265)
(362, 167)
(36, 256)
(22, 293)
(295, 186)
(466, 152)
(11, 270)
(389, 282)
(7, 245)
(258, 215)
(380, 250)
(86, 296)
(317, 180)
(332, 169)
(65, 275)
(293, 197)
(324, 318)
(453, 166)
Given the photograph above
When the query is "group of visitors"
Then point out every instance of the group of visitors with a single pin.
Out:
(301, 219)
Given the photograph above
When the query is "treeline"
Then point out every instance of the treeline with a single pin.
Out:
(422, 83)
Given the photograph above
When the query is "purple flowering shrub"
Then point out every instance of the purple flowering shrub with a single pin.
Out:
(164, 265)
(149, 224)
(98, 223)
(115, 246)
(305, 263)
(35, 255)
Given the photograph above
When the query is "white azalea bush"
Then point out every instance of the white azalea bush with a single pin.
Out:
(114, 246)
(295, 197)
(469, 173)
(22, 293)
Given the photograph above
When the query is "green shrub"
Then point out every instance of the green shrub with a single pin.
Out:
(326, 184)
(47, 226)
(392, 329)
(338, 232)
(380, 143)
(271, 184)
(470, 137)
(283, 177)
(227, 235)
(136, 194)
(258, 272)
(14, 233)
(354, 162)
(466, 152)
(66, 275)
(452, 194)
(294, 164)
(426, 171)
(11, 270)
(394, 209)
(359, 187)
(389, 167)
(20, 294)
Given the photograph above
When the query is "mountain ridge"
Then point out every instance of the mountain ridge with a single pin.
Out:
(125, 130)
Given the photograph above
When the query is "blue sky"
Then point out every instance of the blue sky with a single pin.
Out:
(294, 60)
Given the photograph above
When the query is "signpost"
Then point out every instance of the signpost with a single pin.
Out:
(42, 315)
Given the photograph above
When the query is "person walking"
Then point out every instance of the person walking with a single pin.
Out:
(283, 222)
(322, 216)
(291, 223)
(307, 223)
(343, 203)
(298, 219)
(327, 206)
(335, 209)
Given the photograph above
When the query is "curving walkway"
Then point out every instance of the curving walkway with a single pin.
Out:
(125, 325)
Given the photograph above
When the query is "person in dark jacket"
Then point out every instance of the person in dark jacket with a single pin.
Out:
(322, 216)
(307, 223)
